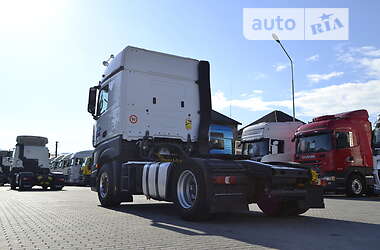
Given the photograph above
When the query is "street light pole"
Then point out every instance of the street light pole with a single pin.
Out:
(56, 148)
(275, 37)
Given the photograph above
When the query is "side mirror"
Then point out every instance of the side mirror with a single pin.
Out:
(91, 107)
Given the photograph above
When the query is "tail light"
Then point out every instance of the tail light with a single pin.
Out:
(227, 180)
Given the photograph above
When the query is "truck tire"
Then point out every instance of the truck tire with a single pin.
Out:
(106, 193)
(20, 186)
(45, 187)
(55, 188)
(189, 191)
(355, 186)
(13, 183)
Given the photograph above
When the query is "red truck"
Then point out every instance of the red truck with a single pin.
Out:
(338, 147)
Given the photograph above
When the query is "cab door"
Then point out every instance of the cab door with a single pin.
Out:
(346, 146)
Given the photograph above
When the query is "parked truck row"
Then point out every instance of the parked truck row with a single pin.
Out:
(153, 136)
(72, 166)
(341, 148)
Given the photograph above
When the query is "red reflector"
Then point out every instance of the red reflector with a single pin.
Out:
(25, 178)
(225, 180)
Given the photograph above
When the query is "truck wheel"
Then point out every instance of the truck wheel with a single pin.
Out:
(355, 186)
(20, 186)
(55, 188)
(13, 182)
(105, 189)
(189, 191)
(270, 205)
(45, 187)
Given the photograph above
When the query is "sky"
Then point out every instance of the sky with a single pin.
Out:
(52, 51)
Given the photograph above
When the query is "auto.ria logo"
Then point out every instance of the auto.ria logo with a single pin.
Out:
(296, 23)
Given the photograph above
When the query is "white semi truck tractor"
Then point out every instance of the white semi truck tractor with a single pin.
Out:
(270, 141)
(30, 165)
(376, 155)
(74, 173)
(152, 116)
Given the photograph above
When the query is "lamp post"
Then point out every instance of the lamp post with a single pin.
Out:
(56, 148)
(275, 37)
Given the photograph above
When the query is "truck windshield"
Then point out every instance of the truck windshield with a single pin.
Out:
(314, 143)
(256, 148)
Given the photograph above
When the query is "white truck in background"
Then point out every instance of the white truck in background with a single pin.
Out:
(152, 115)
(270, 141)
(54, 163)
(30, 165)
(376, 155)
(5, 165)
(74, 173)
(63, 166)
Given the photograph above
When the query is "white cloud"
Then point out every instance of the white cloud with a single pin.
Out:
(253, 93)
(340, 98)
(258, 76)
(313, 58)
(319, 77)
(368, 51)
(280, 66)
(371, 65)
(315, 102)
(252, 103)
(366, 58)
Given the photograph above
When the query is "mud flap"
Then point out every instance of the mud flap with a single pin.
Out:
(314, 198)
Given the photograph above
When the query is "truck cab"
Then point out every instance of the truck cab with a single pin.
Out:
(30, 165)
(63, 166)
(270, 141)
(54, 164)
(5, 165)
(75, 175)
(376, 155)
(338, 147)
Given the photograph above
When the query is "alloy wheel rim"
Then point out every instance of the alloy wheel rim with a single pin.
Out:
(356, 186)
(103, 185)
(187, 189)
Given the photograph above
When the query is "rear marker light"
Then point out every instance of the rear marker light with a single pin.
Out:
(228, 180)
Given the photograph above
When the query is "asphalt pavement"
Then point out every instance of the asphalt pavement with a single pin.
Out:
(73, 219)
